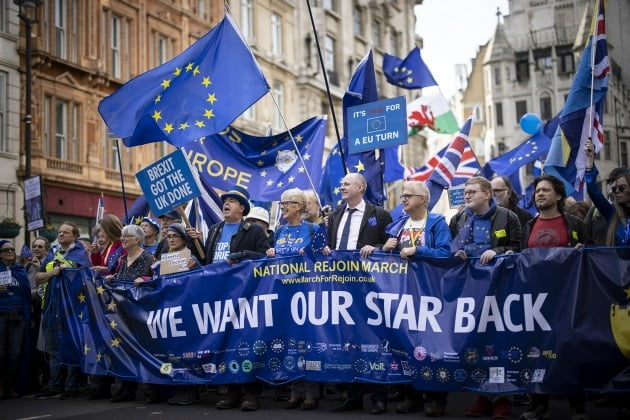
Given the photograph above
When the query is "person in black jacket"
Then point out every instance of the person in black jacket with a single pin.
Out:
(504, 193)
(358, 225)
(234, 240)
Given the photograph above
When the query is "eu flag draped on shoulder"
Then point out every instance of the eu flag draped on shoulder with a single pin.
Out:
(444, 172)
(265, 166)
(363, 90)
(197, 93)
(582, 114)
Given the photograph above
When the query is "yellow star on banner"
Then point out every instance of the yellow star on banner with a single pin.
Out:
(336, 190)
(157, 115)
(208, 114)
(280, 184)
(270, 183)
(291, 178)
(177, 71)
(263, 173)
(301, 169)
(260, 163)
(86, 349)
(112, 324)
(627, 292)
(211, 98)
(115, 342)
(307, 156)
(395, 69)
(196, 71)
(81, 298)
(200, 123)
(409, 80)
(100, 290)
(264, 152)
(99, 356)
(359, 166)
(189, 66)
(298, 139)
(403, 69)
(183, 126)
(157, 99)
(137, 220)
(165, 83)
(111, 306)
(206, 81)
(80, 316)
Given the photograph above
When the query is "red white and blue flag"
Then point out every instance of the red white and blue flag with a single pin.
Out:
(444, 173)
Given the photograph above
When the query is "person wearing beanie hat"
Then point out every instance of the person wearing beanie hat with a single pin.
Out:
(166, 219)
(151, 228)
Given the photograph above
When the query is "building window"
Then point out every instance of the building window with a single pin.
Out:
(115, 46)
(478, 113)
(498, 110)
(546, 113)
(60, 28)
(395, 42)
(329, 5)
(497, 76)
(357, 18)
(623, 153)
(62, 122)
(543, 59)
(4, 146)
(377, 29)
(565, 60)
(607, 146)
(329, 53)
(489, 116)
(278, 92)
(247, 22)
(522, 67)
(3, 15)
(161, 50)
(521, 109)
(201, 8)
(74, 32)
(276, 34)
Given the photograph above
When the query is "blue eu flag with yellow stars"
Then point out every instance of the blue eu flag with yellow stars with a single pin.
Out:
(196, 94)
(410, 73)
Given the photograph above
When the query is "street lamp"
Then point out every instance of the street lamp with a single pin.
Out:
(27, 14)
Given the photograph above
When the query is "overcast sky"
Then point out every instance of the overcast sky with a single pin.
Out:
(452, 31)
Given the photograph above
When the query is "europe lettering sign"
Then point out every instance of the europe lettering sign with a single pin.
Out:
(169, 182)
(377, 125)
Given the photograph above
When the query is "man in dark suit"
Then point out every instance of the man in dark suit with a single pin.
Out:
(358, 225)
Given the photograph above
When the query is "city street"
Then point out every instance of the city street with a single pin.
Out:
(30, 408)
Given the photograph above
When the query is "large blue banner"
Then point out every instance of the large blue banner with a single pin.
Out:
(546, 320)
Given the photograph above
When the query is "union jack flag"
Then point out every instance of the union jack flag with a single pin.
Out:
(444, 172)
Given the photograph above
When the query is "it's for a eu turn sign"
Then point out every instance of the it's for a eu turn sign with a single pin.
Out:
(377, 125)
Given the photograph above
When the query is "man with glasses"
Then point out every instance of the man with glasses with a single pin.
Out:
(358, 225)
(483, 229)
(504, 193)
(419, 234)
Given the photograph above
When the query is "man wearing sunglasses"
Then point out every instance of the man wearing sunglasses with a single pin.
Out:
(595, 223)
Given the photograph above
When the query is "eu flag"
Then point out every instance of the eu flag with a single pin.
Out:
(526, 152)
(410, 73)
(329, 192)
(363, 90)
(197, 93)
(265, 166)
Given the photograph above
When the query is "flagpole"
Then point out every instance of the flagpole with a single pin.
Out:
(330, 101)
(122, 180)
(593, 48)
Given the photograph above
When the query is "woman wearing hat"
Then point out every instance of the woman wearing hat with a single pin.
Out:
(15, 309)
(151, 230)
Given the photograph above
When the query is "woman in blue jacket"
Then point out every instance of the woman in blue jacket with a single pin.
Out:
(15, 305)
(418, 233)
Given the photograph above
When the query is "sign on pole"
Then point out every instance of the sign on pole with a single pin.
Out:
(33, 201)
(377, 125)
(169, 182)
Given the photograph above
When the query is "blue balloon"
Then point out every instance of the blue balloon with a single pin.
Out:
(531, 123)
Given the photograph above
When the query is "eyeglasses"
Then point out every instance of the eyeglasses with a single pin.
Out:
(470, 192)
(173, 236)
(618, 188)
(286, 203)
(405, 197)
(7, 250)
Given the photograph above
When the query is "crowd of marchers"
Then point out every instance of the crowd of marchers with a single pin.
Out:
(488, 225)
